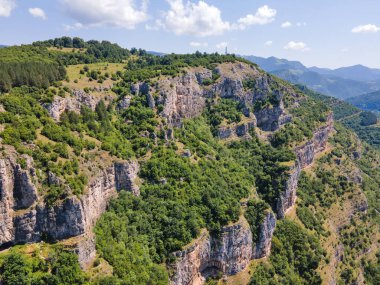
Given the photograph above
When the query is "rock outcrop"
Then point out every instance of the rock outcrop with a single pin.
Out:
(185, 96)
(305, 156)
(73, 103)
(263, 245)
(239, 130)
(126, 175)
(229, 254)
(25, 218)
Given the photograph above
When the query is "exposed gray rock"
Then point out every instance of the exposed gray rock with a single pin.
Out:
(6, 201)
(124, 103)
(73, 103)
(71, 217)
(24, 192)
(225, 132)
(186, 153)
(263, 245)
(184, 98)
(202, 75)
(228, 254)
(150, 99)
(305, 156)
(240, 130)
(126, 175)
(85, 248)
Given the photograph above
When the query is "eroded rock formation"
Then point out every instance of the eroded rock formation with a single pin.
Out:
(25, 218)
(263, 245)
(73, 103)
(239, 130)
(305, 156)
(229, 253)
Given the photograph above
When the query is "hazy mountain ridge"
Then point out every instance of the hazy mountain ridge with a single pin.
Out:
(368, 102)
(342, 83)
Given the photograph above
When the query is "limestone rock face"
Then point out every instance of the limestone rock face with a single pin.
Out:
(183, 98)
(305, 156)
(73, 103)
(25, 218)
(24, 193)
(229, 254)
(125, 176)
(6, 201)
(240, 130)
(263, 245)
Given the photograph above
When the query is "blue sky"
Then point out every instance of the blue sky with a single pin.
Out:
(325, 33)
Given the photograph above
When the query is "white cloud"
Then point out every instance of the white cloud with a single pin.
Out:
(297, 46)
(286, 24)
(196, 19)
(37, 13)
(116, 13)
(76, 26)
(369, 28)
(186, 17)
(221, 45)
(198, 44)
(269, 43)
(264, 15)
(301, 24)
(6, 7)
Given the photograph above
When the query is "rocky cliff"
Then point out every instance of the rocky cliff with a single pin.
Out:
(229, 253)
(263, 245)
(74, 103)
(185, 96)
(305, 156)
(27, 218)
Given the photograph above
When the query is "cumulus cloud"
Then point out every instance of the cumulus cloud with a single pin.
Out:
(221, 45)
(369, 28)
(37, 13)
(6, 7)
(76, 26)
(297, 46)
(264, 15)
(186, 17)
(198, 44)
(196, 19)
(117, 13)
(286, 24)
(269, 43)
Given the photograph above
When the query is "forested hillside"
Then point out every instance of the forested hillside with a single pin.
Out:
(364, 123)
(369, 102)
(129, 168)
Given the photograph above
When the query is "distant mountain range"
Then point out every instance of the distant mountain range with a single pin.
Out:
(2, 46)
(342, 83)
(368, 102)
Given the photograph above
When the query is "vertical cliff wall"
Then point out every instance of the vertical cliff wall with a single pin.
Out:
(229, 253)
(24, 217)
(305, 155)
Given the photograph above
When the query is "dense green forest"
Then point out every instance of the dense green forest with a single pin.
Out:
(191, 182)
